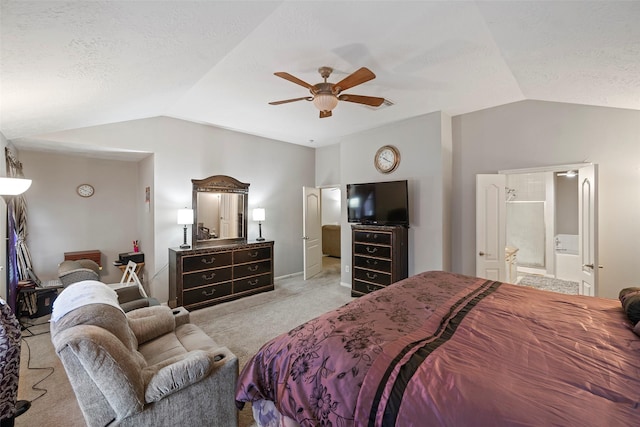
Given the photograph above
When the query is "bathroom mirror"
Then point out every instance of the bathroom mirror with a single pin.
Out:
(220, 206)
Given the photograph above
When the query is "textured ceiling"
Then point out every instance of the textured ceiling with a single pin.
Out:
(67, 65)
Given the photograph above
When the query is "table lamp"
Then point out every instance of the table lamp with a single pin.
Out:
(258, 215)
(185, 217)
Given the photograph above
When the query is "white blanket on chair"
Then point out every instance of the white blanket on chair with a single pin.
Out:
(83, 293)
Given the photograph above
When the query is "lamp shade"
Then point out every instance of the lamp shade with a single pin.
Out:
(325, 101)
(13, 186)
(258, 214)
(185, 216)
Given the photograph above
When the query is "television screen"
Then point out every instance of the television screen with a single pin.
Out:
(383, 203)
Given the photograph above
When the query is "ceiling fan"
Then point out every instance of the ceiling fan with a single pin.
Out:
(325, 96)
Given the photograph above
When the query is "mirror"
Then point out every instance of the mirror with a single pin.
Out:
(220, 206)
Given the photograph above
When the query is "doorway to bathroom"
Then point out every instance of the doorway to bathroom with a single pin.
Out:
(538, 227)
(542, 223)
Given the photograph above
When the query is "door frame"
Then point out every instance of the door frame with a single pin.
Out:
(588, 229)
(491, 238)
(560, 168)
(311, 234)
(321, 188)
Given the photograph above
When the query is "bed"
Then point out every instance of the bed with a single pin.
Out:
(446, 349)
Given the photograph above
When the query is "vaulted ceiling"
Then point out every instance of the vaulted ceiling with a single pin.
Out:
(67, 65)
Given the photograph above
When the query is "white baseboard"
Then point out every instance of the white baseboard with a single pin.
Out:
(286, 276)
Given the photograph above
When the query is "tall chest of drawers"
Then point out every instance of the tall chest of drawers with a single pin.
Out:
(210, 275)
(379, 257)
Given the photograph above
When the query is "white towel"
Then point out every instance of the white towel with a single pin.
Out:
(83, 293)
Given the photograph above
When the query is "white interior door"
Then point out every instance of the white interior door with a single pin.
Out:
(588, 230)
(228, 215)
(312, 231)
(491, 235)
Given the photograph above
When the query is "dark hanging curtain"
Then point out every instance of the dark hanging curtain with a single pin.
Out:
(12, 267)
(19, 257)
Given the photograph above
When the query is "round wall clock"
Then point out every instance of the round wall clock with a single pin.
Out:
(387, 159)
(85, 190)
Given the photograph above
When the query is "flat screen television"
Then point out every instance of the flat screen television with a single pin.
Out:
(381, 203)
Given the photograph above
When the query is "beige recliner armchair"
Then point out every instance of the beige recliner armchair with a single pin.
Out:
(146, 368)
(73, 271)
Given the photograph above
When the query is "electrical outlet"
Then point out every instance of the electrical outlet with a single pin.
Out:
(346, 268)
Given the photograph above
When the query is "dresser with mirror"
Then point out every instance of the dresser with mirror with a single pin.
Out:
(222, 264)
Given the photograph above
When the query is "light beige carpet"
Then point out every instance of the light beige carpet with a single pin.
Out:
(242, 325)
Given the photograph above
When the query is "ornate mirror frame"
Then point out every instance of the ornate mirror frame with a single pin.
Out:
(221, 185)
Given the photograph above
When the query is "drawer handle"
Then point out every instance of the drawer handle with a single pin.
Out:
(371, 288)
(208, 294)
(205, 277)
(206, 261)
(372, 261)
(253, 254)
(371, 276)
(252, 282)
(253, 267)
(372, 250)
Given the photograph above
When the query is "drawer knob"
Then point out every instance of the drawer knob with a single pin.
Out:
(371, 275)
(253, 267)
(208, 294)
(205, 277)
(208, 261)
(372, 250)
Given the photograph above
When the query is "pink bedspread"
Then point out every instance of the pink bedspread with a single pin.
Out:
(446, 349)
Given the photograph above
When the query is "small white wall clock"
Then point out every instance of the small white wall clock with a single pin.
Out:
(85, 190)
(387, 159)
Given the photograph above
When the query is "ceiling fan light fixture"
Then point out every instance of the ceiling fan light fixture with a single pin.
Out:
(325, 101)
(325, 95)
(569, 173)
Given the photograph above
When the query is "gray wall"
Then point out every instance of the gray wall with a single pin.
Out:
(277, 171)
(331, 202)
(328, 165)
(61, 221)
(425, 149)
(520, 135)
(536, 133)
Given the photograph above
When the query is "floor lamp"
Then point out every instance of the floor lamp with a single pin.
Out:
(13, 186)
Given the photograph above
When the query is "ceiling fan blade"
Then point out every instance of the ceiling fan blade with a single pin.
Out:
(360, 99)
(293, 79)
(307, 98)
(324, 114)
(358, 77)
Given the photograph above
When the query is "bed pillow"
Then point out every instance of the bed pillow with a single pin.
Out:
(630, 299)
